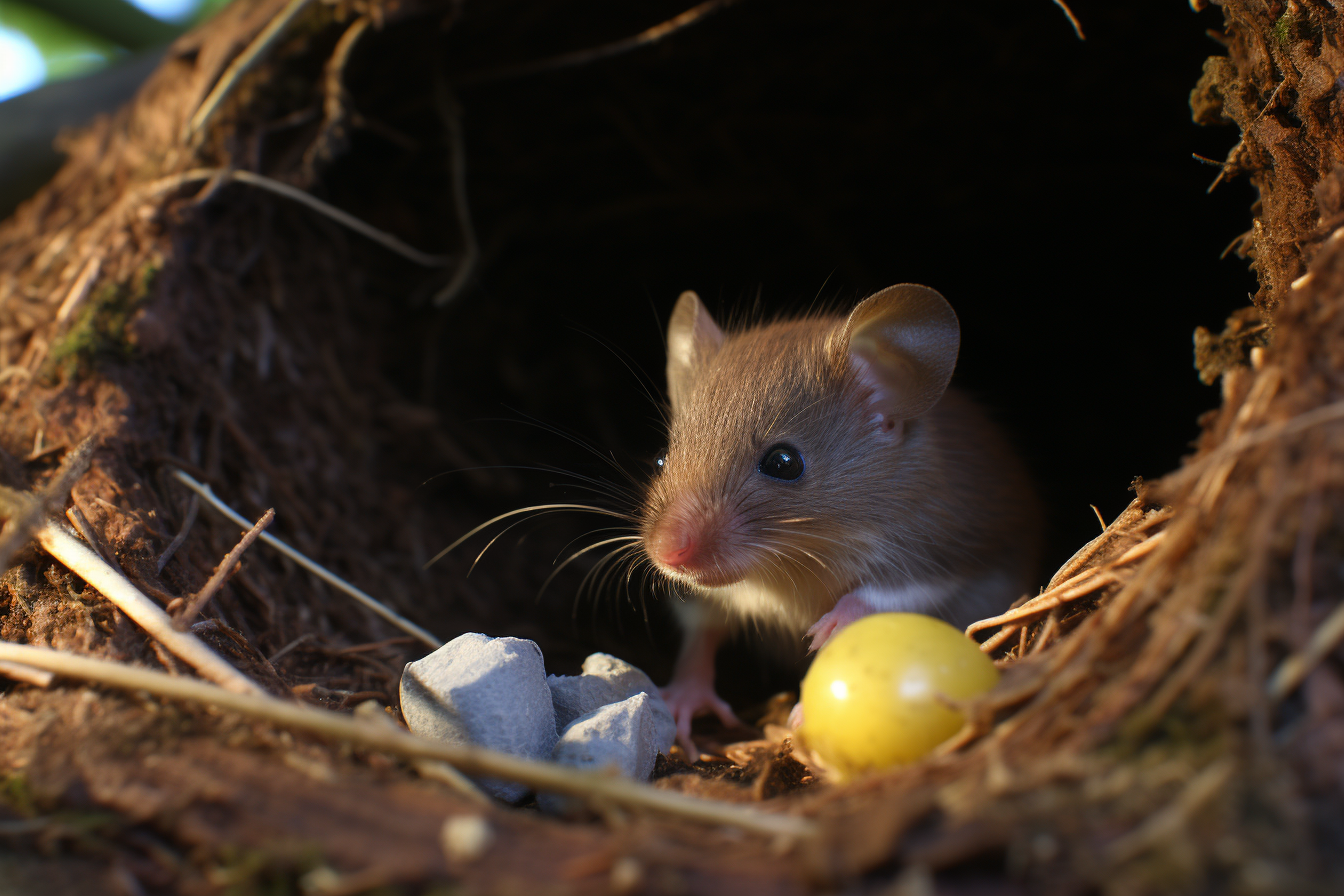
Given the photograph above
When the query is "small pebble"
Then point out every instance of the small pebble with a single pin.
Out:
(487, 691)
(466, 837)
(618, 735)
(626, 874)
(607, 679)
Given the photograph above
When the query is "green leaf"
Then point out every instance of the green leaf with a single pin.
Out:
(66, 49)
(116, 21)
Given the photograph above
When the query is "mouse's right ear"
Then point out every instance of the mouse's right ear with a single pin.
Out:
(904, 340)
(692, 339)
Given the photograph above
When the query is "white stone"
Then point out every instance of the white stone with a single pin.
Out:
(486, 691)
(619, 735)
(606, 679)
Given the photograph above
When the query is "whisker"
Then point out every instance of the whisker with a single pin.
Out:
(641, 376)
(471, 568)
(572, 438)
(593, 483)
(585, 535)
(503, 516)
(577, 554)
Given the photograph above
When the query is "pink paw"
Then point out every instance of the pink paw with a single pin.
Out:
(846, 610)
(688, 698)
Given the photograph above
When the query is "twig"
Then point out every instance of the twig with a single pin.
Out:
(100, 227)
(1214, 633)
(346, 219)
(1273, 98)
(1073, 19)
(26, 512)
(193, 507)
(1046, 602)
(113, 585)
(85, 530)
(473, 760)
(216, 580)
(1070, 589)
(1295, 667)
(334, 94)
(301, 639)
(1047, 631)
(457, 156)
(316, 569)
(27, 674)
(245, 60)
(83, 285)
(593, 54)
(434, 769)
(1169, 824)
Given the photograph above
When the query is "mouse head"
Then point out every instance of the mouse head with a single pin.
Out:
(784, 434)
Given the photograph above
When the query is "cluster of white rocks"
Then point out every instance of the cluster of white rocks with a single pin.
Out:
(494, 692)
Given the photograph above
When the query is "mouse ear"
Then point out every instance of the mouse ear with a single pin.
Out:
(905, 339)
(692, 339)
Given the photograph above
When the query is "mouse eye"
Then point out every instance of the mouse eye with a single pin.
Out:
(660, 462)
(781, 462)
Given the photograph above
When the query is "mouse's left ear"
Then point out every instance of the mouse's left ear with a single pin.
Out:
(904, 341)
(692, 339)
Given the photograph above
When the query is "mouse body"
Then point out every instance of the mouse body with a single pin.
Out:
(820, 469)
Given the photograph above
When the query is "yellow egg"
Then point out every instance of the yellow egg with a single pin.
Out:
(877, 693)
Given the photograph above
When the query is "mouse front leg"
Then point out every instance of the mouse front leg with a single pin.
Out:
(846, 610)
(691, 690)
(921, 597)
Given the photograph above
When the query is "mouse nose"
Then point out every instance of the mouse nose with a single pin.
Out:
(676, 547)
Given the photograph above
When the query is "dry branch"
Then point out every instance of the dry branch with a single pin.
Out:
(112, 584)
(470, 759)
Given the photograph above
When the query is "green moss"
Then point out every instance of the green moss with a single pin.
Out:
(1283, 28)
(16, 795)
(99, 331)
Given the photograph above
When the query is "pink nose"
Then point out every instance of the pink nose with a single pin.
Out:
(676, 549)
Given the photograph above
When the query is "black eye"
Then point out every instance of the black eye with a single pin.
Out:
(660, 462)
(781, 462)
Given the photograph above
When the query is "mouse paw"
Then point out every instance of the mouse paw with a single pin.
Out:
(846, 610)
(690, 698)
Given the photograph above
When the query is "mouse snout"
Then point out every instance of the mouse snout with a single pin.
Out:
(696, 543)
(675, 546)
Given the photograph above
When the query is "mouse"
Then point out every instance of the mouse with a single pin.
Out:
(819, 469)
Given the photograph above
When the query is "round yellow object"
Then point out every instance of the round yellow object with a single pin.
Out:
(877, 693)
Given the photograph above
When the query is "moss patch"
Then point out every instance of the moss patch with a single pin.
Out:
(99, 331)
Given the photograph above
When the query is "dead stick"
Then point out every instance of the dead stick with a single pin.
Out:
(451, 114)
(112, 584)
(1067, 590)
(1295, 668)
(1320, 416)
(1050, 602)
(316, 569)
(244, 61)
(216, 581)
(593, 54)
(473, 760)
(26, 512)
(85, 530)
(1073, 19)
(193, 507)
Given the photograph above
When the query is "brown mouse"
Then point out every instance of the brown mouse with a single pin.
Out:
(820, 469)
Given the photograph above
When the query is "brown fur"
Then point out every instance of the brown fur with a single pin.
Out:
(940, 498)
